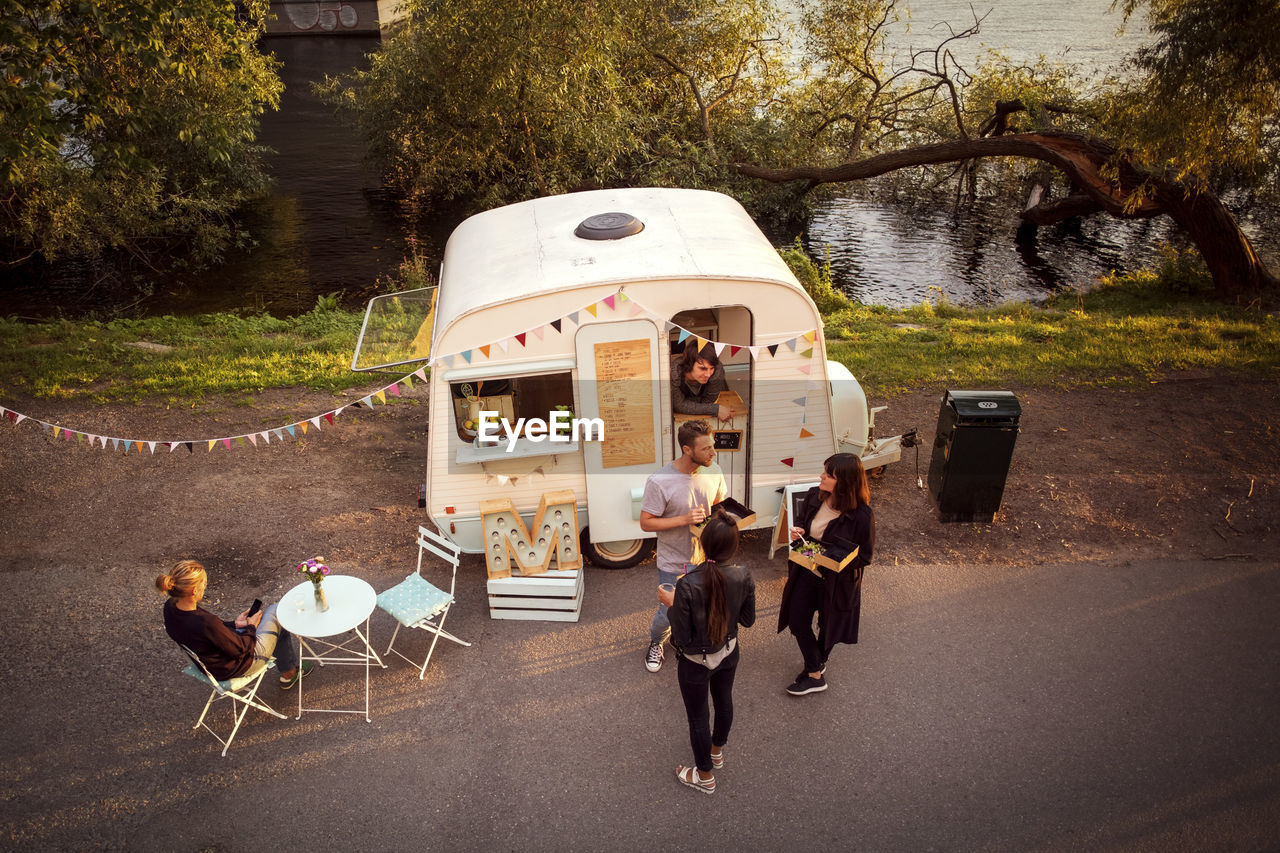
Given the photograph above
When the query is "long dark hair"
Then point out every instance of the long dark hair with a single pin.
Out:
(852, 489)
(719, 542)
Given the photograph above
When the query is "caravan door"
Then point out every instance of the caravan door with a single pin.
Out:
(621, 383)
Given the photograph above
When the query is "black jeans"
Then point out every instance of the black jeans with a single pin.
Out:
(806, 599)
(694, 680)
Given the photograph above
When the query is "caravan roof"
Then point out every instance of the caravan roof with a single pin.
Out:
(530, 249)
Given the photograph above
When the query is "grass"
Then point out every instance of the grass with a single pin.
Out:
(1131, 330)
(211, 354)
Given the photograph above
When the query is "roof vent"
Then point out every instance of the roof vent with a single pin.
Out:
(608, 226)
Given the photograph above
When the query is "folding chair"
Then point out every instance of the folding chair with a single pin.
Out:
(242, 689)
(415, 603)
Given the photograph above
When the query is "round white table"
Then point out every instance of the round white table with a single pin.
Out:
(351, 601)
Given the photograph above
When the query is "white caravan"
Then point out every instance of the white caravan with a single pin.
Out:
(576, 304)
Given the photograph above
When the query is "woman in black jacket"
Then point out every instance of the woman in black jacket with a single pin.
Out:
(709, 604)
(837, 513)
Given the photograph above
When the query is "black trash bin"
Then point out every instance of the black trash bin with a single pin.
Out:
(971, 453)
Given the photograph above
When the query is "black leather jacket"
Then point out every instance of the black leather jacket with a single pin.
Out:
(688, 613)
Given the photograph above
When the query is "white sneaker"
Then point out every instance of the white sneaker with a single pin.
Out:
(653, 660)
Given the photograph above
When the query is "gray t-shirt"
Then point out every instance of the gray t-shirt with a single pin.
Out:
(668, 493)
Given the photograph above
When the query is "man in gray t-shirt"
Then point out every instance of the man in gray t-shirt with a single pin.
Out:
(677, 497)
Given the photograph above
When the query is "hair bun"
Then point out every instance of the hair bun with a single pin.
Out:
(164, 583)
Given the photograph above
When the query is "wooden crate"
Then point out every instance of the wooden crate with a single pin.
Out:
(553, 596)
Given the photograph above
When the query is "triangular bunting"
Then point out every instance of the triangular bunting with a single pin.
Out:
(382, 398)
(240, 440)
(591, 309)
(804, 368)
(684, 333)
(394, 387)
(328, 416)
(789, 461)
(734, 351)
(315, 422)
(292, 432)
(791, 344)
(173, 445)
(804, 433)
(622, 297)
(636, 310)
(368, 401)
(303, 424)
(421, 373)
(755, 352)
(810, 336)
(807, 353)
(773, 350)
(226, 442)
(538, 332)
(152, 445)
(555, 324)
(502, 345)
(608, 300)
(253, 439)
(719, 348)
(265, 436)
(56, 431)
(799, 401)
(484, 351)
(212, 442)
(520, 338)
(190, 446)
(573, 318)
(466, 354)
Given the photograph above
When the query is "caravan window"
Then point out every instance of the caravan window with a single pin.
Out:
(511, 397)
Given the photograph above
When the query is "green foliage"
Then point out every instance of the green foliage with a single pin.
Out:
(815, 279)
(127, 125)
(493, 102)
(1206, 91)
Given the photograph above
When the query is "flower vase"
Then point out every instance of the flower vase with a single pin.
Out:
(322, 603)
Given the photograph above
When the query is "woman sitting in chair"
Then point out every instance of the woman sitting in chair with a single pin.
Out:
(227, 649)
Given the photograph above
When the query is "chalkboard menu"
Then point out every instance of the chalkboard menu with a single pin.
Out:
(624, 392)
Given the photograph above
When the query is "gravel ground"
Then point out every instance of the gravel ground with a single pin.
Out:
(1012, 690)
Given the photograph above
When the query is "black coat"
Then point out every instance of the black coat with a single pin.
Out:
(842, 591)
(688, 613)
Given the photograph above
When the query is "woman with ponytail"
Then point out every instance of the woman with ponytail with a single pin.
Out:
(227, 649)
(709, 604)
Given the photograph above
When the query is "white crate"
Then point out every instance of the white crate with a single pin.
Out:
(555, 596)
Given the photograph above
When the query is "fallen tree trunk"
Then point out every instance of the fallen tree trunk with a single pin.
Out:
(1230, 257)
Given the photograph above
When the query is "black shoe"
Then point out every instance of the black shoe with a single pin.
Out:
(822, 670)
(806, 685)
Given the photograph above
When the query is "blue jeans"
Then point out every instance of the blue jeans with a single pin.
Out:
(272, 640)
(660, 627)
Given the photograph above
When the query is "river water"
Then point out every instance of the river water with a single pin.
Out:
(328, 227)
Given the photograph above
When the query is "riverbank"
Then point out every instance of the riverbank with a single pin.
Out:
(1129, 333)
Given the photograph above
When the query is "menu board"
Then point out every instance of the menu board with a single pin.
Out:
(624, 392)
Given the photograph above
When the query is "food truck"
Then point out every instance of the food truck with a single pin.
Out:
(551, 338)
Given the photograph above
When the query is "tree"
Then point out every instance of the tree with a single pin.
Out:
(1120, 153)
(492, 102)
(128, 125)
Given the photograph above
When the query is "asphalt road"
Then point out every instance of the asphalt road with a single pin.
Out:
(1063, 707)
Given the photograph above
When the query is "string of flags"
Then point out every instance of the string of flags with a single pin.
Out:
(800, 343)
(621, 304)
(129, 445)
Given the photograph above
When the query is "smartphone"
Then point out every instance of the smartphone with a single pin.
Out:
(257, 605)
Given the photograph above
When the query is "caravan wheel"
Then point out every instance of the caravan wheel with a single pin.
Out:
(615, 555)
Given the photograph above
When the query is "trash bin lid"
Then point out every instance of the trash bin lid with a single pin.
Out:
(985, 404)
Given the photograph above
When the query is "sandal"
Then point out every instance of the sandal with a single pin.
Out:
(689, 776)
(717, 758)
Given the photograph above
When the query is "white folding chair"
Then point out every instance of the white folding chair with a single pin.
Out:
(416, 603)
(241, 690)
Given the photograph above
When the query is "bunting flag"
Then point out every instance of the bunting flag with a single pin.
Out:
(613, 301)
(128, 445)
(804, 433)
